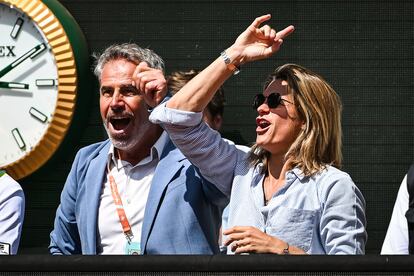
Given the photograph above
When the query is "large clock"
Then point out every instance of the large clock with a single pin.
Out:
(41, 52)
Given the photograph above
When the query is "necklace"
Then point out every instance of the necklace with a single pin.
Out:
(266, 199)
(269, 188)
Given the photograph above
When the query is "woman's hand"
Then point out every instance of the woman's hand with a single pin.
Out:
(259, 42)
(151, 83)
(248, 239)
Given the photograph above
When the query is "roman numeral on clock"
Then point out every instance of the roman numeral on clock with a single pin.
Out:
(18, 138)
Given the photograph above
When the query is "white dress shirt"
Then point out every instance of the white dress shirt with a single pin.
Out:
(133, 183)
(396, 239)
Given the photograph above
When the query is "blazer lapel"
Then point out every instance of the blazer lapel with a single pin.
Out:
(166, 169)
(93, 191)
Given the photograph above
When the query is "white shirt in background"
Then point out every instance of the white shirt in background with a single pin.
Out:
(11, 214)
(396, 239)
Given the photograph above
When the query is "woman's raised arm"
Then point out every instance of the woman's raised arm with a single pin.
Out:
(256, 42)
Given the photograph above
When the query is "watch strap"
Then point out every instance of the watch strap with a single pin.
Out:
(232, 67)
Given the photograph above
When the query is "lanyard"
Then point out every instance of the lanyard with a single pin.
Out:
(2, 173)
(120, 208)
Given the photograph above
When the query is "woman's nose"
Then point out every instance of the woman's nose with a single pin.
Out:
(263, 108)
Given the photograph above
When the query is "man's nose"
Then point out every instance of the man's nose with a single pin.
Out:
(117, 100)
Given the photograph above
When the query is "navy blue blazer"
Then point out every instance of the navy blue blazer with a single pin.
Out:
(182, 215)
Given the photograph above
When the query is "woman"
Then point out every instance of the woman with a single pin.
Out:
(287, 195)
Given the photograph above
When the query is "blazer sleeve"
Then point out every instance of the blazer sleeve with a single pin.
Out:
(64, 238)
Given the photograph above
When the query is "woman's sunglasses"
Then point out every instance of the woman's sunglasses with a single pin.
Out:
(273, 100)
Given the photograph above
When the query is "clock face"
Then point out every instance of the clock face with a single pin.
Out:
(38, 81)
(28, 84)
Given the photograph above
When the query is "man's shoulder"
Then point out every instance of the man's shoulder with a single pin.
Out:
(94, 149)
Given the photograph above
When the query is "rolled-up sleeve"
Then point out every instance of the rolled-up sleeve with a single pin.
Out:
(215, 157)
(164, 115)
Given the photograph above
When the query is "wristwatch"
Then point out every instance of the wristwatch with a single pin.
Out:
(228, 63)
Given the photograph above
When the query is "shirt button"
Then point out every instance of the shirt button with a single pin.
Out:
(128, 201)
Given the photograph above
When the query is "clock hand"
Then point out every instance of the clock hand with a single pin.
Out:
(30, 54)
(13, 85)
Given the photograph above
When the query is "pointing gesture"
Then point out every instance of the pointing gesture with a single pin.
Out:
(255, 43)
(260, 42)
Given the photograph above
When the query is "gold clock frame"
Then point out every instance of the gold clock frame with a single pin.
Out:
(67, 87)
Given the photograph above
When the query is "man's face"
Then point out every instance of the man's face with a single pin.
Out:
(214, 122)
(123, 109)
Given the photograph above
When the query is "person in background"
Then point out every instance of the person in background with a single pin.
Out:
(287, 194)
(12, 206)
(213, 114)
(135, 193)
(396, 240)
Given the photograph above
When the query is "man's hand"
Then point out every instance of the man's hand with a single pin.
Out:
(151, 83)
(260, 42)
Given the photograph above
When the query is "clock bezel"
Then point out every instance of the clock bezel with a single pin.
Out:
(60, 45)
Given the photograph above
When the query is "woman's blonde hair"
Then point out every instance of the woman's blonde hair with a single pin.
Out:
(319, 107)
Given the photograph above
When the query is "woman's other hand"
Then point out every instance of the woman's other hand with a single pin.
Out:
(248, 239)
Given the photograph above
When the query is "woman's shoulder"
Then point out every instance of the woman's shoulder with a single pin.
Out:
(332, 180)
(331, 172)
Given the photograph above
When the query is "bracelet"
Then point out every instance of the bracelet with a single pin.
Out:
(286, 250)
(228, 63)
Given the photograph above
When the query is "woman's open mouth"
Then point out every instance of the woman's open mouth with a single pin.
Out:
(262, 125)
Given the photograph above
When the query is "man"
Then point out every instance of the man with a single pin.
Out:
(11, 214)
(135, 193)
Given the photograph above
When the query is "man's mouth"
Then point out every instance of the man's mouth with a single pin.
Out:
(119, 123)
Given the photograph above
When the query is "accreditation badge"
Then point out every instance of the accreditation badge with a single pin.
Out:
(132, 248)
(4, 248)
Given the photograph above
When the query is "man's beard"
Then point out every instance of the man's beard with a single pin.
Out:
(122, 143)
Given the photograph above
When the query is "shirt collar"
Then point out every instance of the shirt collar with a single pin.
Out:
(294, 173)
(155, 152)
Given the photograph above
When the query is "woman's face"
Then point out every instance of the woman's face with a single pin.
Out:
(278, 127)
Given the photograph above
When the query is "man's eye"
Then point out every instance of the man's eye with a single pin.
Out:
(106, 92)
(129, 91)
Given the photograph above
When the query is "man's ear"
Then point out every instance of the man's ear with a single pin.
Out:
(218, 122)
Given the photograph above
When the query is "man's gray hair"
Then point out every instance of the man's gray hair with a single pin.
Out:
(129, 51)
